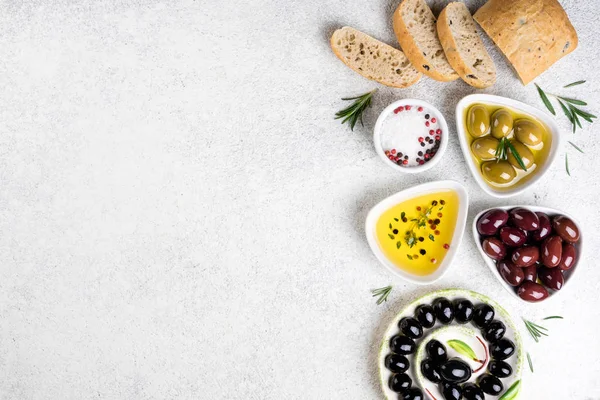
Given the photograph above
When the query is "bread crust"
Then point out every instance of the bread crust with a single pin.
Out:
(450, 46)
(532, 34)
(401, 58)
(412, 50)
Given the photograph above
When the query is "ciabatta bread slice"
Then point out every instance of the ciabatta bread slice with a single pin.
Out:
(414, 24)
(373, 59)
(463, 46)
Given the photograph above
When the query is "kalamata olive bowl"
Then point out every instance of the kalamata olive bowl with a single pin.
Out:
(492, 264)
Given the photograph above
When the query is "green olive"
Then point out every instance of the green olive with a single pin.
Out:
(478, 121)
(524, 152)
(529, 132)
(485, 148)
(502, 123)
(498, 172)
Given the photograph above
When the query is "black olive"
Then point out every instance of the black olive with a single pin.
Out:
(425, 315)
(502, 349)
(436, 351)
(431, 370)
(451, 391)
(472, 392)
(412, 394)
(455, 370)
(411, 327)
(490, 384)
(494, 331)
(499, 369)
(401, 344)
(483, 315)
(463, 311)
(443, 310)
(396, 363)
(400, 382)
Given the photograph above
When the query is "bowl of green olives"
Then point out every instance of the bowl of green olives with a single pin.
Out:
(508, 145)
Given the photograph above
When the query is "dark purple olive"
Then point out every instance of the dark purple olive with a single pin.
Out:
(472, 392)
(511, 274)
(399, 382)
(499, 369)
(463, 311)
(412, 394)
(431, 370)
(451, 391)
(545, 228)
(513, 237)
(436, 351)
(530, 273)
(491, 221)
(494, 331)
(425, 315)
(569, 255)
(502, 349)
(532, 292)
(494, 248)
(525, 256)
(401, 344)
(524, 219)
(455, 370)
(551, 251)
(483, 315)
(396, 363)
(490, 384)
(410, 327)
(552, 278)
(444, 310)
(566, 229)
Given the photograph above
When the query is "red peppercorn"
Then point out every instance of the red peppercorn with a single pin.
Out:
(426, 123)
(405, 162)
(393, 151)
(420, 109)
(437, 232)
(431, 131)
(421, 162)
(401, 108)
(407, 108)
(438, 131)
(427, 156)
(437, 138)
(387, 152)
(433, 260)
(440, 215)
(421, 139)
(433, 120)
(446, 246)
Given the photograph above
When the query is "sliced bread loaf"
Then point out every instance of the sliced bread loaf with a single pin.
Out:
(414, 24)
(463, 46)
(373, 59)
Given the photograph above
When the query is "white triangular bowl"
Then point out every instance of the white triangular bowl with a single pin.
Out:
(469, 100)
(409, 193)
(492, 265)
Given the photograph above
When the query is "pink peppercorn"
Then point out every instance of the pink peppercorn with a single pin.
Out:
(438, 131)
(426, 123)
(393, 151)
(433, 120)
(405, 162)
(420, 109)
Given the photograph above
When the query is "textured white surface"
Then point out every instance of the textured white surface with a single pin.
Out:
(182, 218)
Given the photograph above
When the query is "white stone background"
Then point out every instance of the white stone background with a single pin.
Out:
(182, 218)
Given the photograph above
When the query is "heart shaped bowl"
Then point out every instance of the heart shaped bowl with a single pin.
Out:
(456, 338)
(568, 275)
(464, 137)
(426, 233)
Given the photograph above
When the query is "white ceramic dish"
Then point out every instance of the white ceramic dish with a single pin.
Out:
(443, 139)
(445, 332)
(492, 265)
(399, 197)
(467, 101)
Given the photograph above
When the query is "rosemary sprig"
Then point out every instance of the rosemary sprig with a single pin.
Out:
(536, 331)
(504, 146)
(568, 106)
(554, 316)
(530, 363)
(354, 112)
(383, 293)
(576, 147)
(516, 154)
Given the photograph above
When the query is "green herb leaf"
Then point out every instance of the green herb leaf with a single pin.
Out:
(402, 215)
(396, 219)
(391, 236)
(587, 116)
(409, 256)
(567, 164)
(574, 84)
(383, 293)
(513, 391)
(462, 348)
(530, 363)
(545, 100)
(573, 144)
(354, 112)
(390, 225)
(516, 154)
(575, 117)
(553, 317)
(431, 237)
(573, 101)
(398, 244)
(567, 112)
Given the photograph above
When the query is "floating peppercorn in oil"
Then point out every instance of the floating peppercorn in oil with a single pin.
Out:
(417, 233)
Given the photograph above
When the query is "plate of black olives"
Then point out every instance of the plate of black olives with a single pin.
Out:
(451, 344)
(533, 251)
